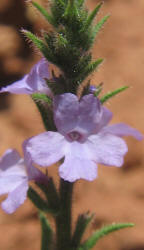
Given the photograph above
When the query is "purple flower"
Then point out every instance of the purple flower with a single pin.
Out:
(32, 82)
(83, 138)
(14, 177)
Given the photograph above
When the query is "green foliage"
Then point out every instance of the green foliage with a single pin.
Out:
(91, 242)
(37, 200)
(51, 195)
(39, 43)
(89, 69)
(47, 233)
(112, 93)
(100, 24)
(92, 15)
(81, 225)
(44, 12)
(68, 45)
(51, 202)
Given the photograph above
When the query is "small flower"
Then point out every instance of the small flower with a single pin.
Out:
(83, 138)
(32, 82)
(14, 177)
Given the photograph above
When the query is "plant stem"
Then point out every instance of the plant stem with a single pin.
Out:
(63, 219)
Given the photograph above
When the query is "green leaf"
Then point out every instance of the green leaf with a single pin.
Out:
(51, 195)
(91, 242)
(81, 2)
(89, 69)
(37, 200)
(43, 11)
(37, 41)
(113, 93)
(81, 225)
(47, 233)
(92, 15)
(93, 66)
(99, 25)
(40, 45)
(71, 10)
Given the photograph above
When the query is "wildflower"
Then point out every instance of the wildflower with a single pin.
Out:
(83, 138)
(14, 177)
(32, 82)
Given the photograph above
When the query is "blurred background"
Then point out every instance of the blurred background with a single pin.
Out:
(118, 194)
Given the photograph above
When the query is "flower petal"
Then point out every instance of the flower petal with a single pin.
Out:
(11, 164)
(12, 171)
(9, 183)
(36, 78)
(33, 172)
(105, 119)
(46, 148)
(122, 129)
(18, 87)
(90, 113)
(15, 198)
(77, 163)
(107, 149)
(66, 111)
(32, 82)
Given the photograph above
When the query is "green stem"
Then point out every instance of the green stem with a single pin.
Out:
(63, 219)
(47, 233)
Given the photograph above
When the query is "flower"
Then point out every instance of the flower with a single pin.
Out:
(83, 138)
(32, 82)
(14, 177)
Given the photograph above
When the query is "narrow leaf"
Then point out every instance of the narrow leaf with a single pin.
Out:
(46, 233)
(37, 41)
(100, 24)
(93, 66)
(40, 45)
(113, 93)
(81, 225)
(92, 15)
(71, 10)
(91, 242)
(81, 2)
(37, 200)
(51, 195)
(89, 69)
(43, 11)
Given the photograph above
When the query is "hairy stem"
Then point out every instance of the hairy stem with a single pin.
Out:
(63, 219)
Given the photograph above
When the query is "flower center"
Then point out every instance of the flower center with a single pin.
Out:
(74, 136)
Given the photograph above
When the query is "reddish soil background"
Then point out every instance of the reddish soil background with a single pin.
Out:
(117, 195)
